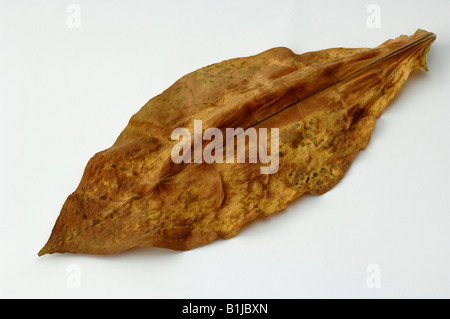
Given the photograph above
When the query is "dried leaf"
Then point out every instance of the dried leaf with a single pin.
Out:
(323, 103)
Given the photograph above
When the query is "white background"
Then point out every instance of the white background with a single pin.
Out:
(66, 93)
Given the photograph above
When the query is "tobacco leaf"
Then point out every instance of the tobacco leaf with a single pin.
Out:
(324, 104)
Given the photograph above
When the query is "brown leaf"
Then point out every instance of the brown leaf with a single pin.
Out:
(323, 103)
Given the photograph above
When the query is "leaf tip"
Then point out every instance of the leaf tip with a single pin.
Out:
(431, 38)
(42, 252)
